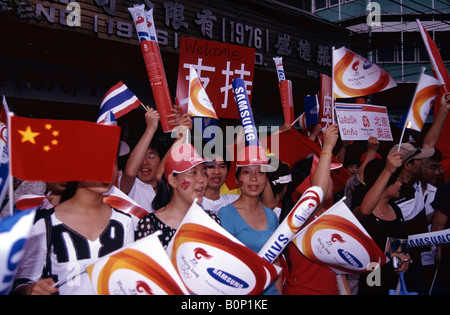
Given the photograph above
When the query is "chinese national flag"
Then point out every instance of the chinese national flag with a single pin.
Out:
(62, 150)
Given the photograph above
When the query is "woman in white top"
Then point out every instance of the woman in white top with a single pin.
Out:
(81, 230)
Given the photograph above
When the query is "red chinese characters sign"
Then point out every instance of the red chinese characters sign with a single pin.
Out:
(217, 64)
(360, 121)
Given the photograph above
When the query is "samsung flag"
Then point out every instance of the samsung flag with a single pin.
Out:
(14, 232)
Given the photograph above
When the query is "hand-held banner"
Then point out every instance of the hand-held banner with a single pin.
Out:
(430, 238)
(338, 241)
(438, 65)
(118, 200)
(4, 152)
(355, 76)
(285, 87)
(426, 92)
(14, 232)
(199, 104)
(142, 268)
(211, 261)
(146, 32)
(287, 229)
(245, 112)
(217, 64)
(361, 121)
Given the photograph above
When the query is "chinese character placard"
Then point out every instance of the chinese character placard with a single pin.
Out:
(359, 122)
(216, 64)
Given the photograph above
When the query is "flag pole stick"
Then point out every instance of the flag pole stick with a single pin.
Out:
(332, 85)
(422, 72)
(145, 107)
(11, 178)
(401, 137)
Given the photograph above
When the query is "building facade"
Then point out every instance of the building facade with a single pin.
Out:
(386, 32)
(60, 57)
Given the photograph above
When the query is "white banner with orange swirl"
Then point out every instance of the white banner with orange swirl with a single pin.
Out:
(143, 268)
(426, 92)
(199, 104)
(338, 241)
(294, 221)
(355, 76)
(211, 261)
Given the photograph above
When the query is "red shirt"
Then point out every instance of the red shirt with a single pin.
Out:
(308, 278)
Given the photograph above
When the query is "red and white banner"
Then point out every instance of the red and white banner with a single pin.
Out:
(355, 76)
(145, 29)
(338, 241)
(142, 268)
(285, 87)
(438, 65)
(216, 64)
(360, 121)
(295, 220)
(117, 199)
(211, 261)
(325, 102)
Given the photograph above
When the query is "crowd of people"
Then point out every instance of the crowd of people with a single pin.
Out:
(393, 195)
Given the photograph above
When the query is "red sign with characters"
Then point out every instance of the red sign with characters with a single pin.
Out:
(217, 64)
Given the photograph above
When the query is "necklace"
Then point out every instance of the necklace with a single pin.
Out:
(379, 211)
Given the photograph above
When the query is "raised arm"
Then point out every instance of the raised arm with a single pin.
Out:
(139, 152)
(321, 176)
(372, 147)
(433, 134)
(370, 201)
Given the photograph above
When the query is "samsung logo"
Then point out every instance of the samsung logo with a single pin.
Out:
(349, 258)
(227, 279)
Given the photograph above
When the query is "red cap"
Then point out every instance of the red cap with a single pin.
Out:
(252, 155)
(181, 159)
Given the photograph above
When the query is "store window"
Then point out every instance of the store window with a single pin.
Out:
(321, 4)
(325, 4)
(385, 54)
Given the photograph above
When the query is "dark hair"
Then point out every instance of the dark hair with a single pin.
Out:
(163, 193)
(437, 156)
(157, 146)
(69, 192)
(300, 171)
(221, 151)
(282, 170)
(373, 169)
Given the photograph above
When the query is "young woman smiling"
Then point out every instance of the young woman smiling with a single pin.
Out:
(246, 219)
(184, 181)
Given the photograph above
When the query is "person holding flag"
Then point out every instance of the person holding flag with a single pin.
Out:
(382, 218)
(139, 178)
(66, 239)
(304, 276)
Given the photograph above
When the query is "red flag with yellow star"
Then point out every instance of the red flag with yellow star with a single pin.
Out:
(62, 150)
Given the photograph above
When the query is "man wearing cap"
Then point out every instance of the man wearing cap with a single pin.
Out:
(412, 205)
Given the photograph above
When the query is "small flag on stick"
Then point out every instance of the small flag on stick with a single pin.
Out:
(119, 100)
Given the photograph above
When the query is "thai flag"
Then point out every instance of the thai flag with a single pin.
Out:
(119, 100)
